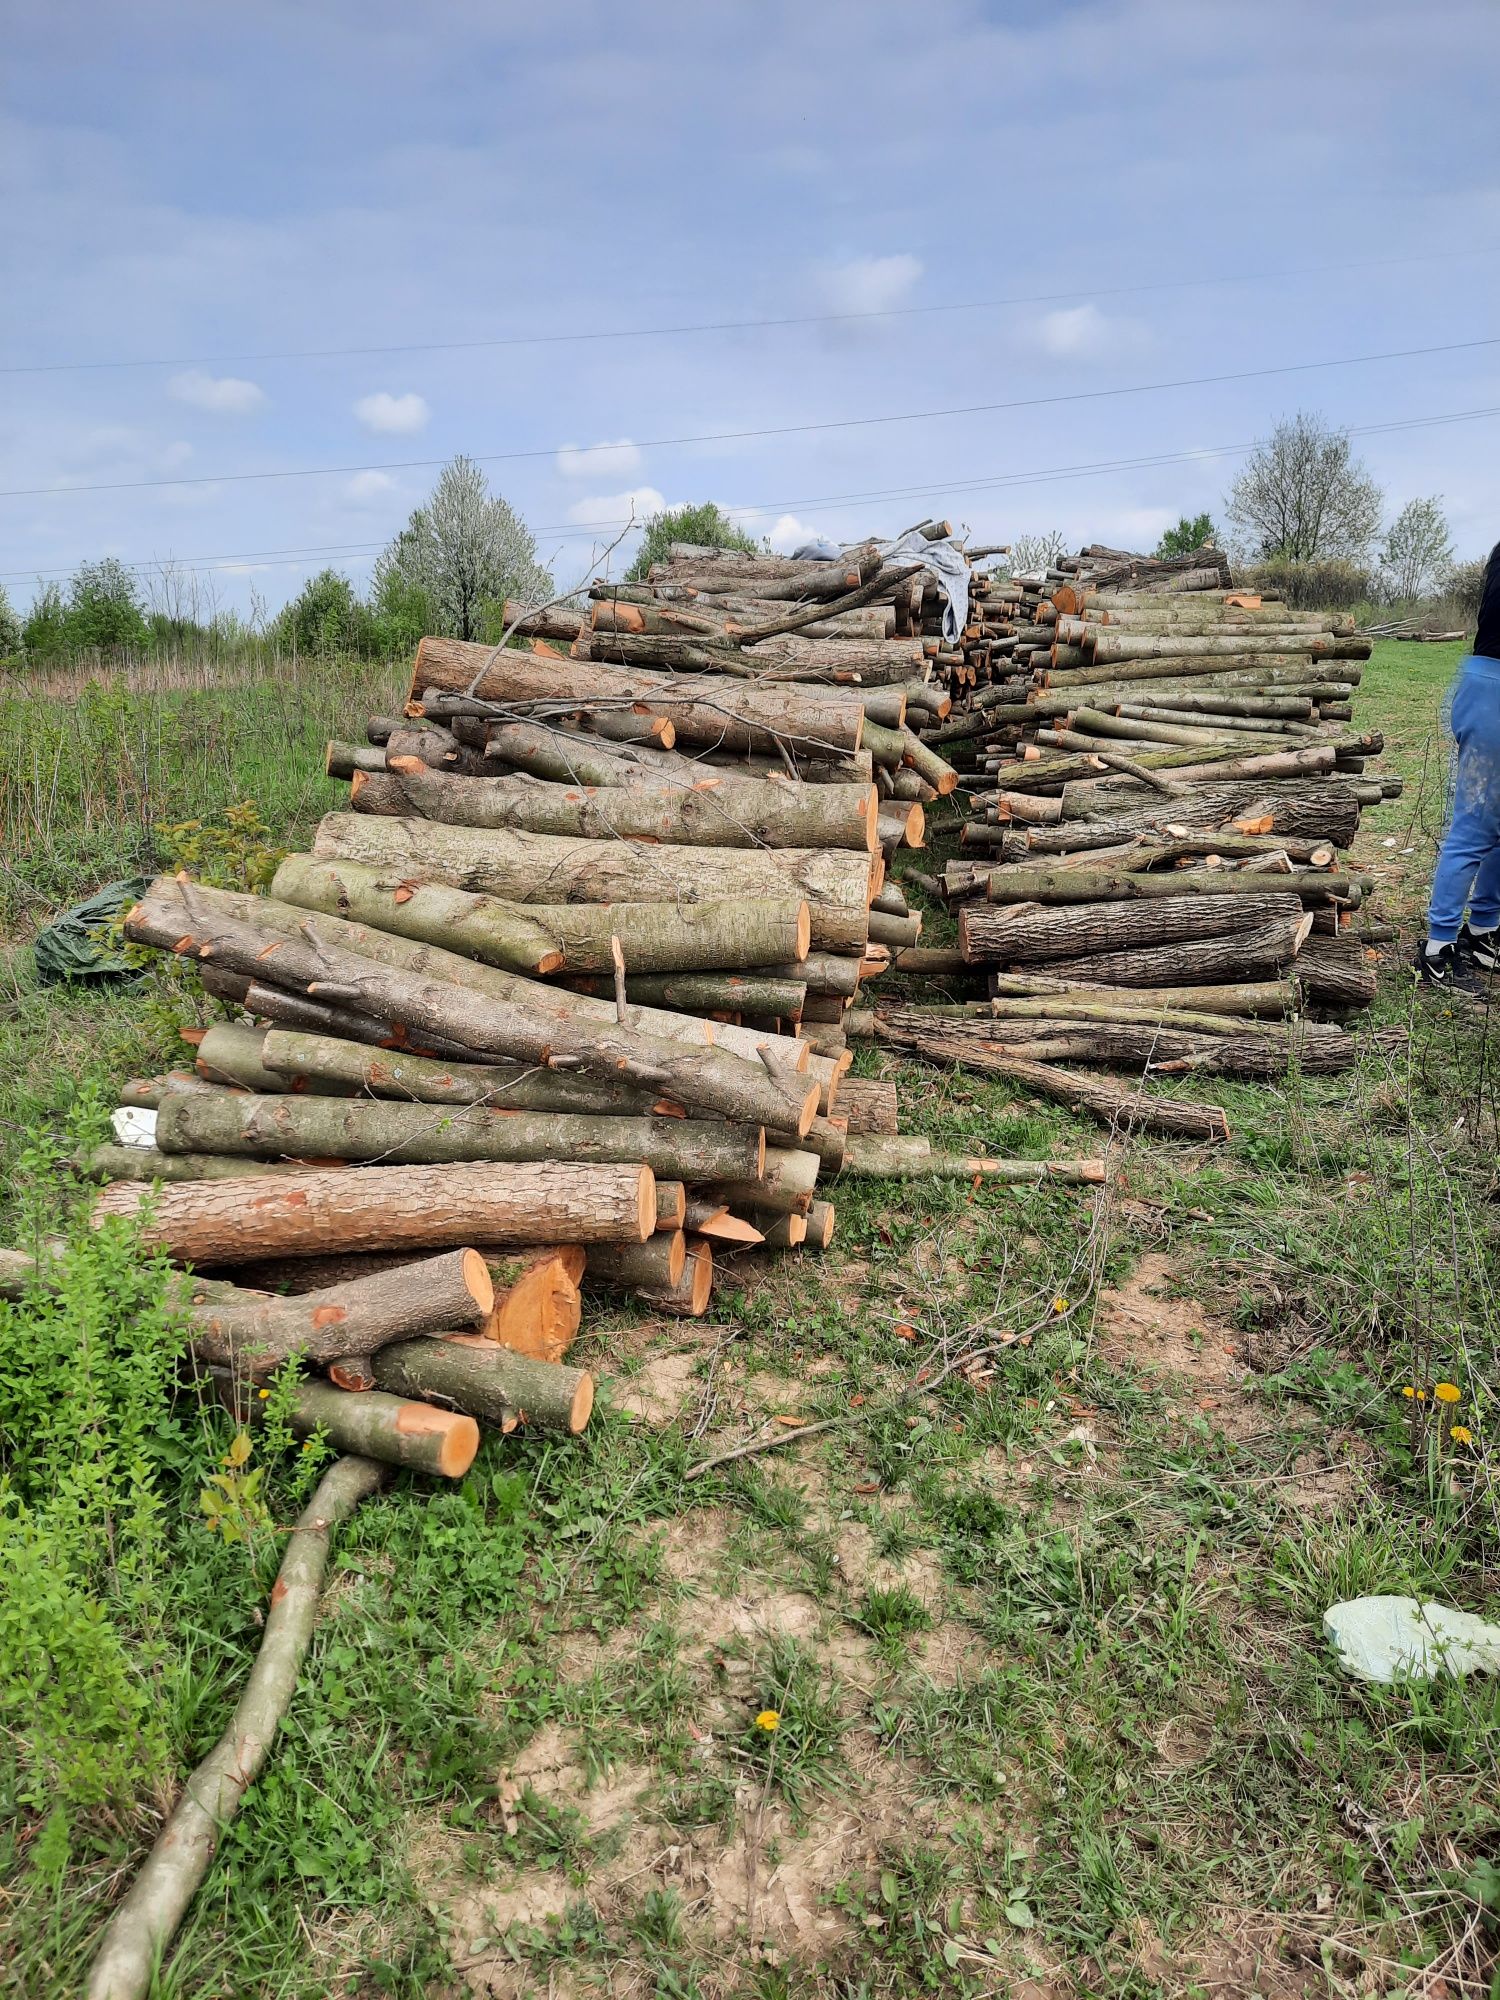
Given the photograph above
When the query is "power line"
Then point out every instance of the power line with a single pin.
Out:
(771, 430)
(575, 338)
(202, 565)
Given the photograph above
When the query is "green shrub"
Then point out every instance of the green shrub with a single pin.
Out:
(45, 631)
(325, 618)
(704, 524)
(1187, 536)
(1328, 584)
(104, 611)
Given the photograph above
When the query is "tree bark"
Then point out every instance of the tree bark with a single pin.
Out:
(732, 933)
(868, 1104)
(701, 709)
(327, 1066)
(660, 1260)
(410, 1434)
(1093, 885)
(889, 1156)
(671, 1204)
(716, 811)
(255, 1333)
(688, 1297)
(149, 1163)
(489, 1382)
(704, 992)
(1020, 932)
(1336, 972)
(529, 867)
(382, 1208)
(1111, 643)
(142, 1927)
(784, 1187)
(1268, 999)
(335, 1128)
(1239, 955)
(204, 922)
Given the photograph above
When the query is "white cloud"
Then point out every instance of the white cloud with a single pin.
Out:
(397, 415)
(224, 395)
(869, 284)
(1083, 333)
(788, 533)
(608, 510)
(365, 488)
(616, 459)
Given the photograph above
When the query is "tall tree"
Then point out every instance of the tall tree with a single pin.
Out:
(1189, 534)
(104, 608)
(1304, 496)
(466, 550)
(1417, 552)
(706, 524)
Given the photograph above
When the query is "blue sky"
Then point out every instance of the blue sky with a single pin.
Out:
(1167, 190)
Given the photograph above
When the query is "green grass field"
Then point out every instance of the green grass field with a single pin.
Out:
(1055, 1711)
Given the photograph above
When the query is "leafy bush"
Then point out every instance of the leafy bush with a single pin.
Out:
(401, 613)
(46, 629)
(1188, 535)
(325, 618)
(1331, 584)
(10, 628)
(704, 524)
(104, 610)
(1464, 584)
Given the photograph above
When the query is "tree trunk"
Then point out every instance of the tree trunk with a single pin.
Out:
(1019, 932)
(149, 1163)
(529, 866)
(701, 710)
(254, 1333)
(335, 1128)
(1240, 955)
(1093, 885)
(328, 1067)
(728, 934)
(717, 811)
(382, 1208)
(868, 1104)
(489, 1382)
(887, 1156)
(713, 1220)
(1269, 999)
(1134, 1046)
(199, 923)
(136, 1940)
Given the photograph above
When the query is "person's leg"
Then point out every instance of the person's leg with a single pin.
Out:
(1484, 896)
(1473, 836)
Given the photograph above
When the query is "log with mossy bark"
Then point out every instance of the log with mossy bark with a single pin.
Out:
(327, 1066)
(785, 1185)
(109, 1162)
(733, 933)
(1241, 954)
(414, 1435)
(488, 1382)
(1131, 1045)
(1062, 885)
(532, 867)
(381, 1208)
(709, 992)
(496, 1014)
(401, 1134)
(1269, 999)
(716, 810)
(1025, 931)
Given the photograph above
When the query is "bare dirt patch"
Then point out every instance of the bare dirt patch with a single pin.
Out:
(1178, 1343)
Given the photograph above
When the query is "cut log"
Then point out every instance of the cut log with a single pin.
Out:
(149, 1163)
(391, 1429)
(820, 1226)
(659, 1261)
(710, 992)
(328, 1066)
(702, 709)
(1235, 955)
(713, 1220)
(1269, 999)
(785, 1187)
(254, 1333)
(716, 811)
(1336, 972)
(506, 1017)
(688, 1297)
(400, 1134)
(671, 1204)
(489, 1382)
(868, 1104)
(232, 1054)
(1097, 885)
(529, 867)
(729, 933)
(889, 1156)
(144, 1093)
(1023, 932)
(382, 1208)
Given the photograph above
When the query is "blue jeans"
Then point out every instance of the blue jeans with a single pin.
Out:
(1468, 863)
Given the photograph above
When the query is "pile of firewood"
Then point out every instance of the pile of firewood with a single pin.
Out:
(564, 996)
(1155, 881)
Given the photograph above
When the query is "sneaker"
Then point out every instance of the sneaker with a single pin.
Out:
(1480, 949)
(1447, 971)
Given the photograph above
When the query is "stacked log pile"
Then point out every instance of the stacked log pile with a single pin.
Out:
(562, 996)
(1155, 875)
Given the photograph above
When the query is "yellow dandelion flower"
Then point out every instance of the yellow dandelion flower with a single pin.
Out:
(264, 1394)
(1409, 1392)
(1447, 1392)
(1461, 1434)
(769, 1720)
(1059, 1304)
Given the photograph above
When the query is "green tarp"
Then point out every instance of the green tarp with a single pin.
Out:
(82, 944)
